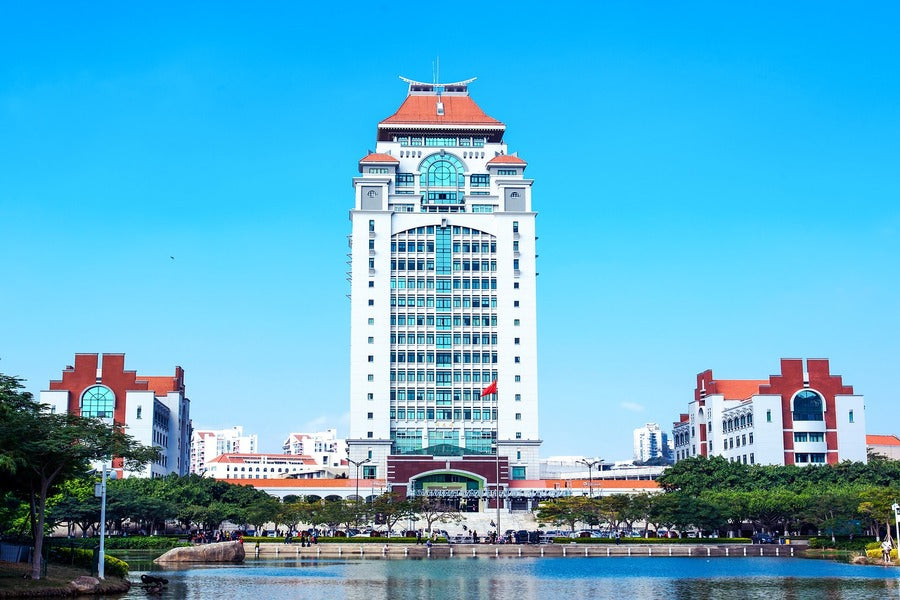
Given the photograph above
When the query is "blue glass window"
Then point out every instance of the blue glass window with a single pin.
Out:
(98, 402)
(441, 171)
(807, 406)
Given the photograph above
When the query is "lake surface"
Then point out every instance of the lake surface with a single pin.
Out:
(533, 579)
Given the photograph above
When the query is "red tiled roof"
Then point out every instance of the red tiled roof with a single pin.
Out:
(882, 440)
(161, 386)
(364, 484)
(507, 159)
(422, 110)
(241, 458)
(378, 157)
(738, 389)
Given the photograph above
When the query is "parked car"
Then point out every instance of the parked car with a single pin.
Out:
(763, 538)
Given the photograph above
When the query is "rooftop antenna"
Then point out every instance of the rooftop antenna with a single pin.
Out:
(437, 86)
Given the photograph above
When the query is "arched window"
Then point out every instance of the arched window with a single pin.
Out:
(98, 402)
(441, 170)
(807, 406)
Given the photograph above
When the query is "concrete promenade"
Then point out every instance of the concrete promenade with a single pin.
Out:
(351, 550)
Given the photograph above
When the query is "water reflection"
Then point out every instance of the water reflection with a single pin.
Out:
(534, 579)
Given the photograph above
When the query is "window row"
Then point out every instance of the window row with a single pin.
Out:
(446, 303)
(445, 379)
(440, 397)
(811, 436)
(738, 440)
(737, 423)
(444, 285)
(430, 230)
(457, 246)
(441, 141)
(445, 358)
(810, 457)
(443, 414)
(427, 264)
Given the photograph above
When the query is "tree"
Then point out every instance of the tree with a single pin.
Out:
(39, 450)
(392, 507)
(76, 504)
(875, 503)
(698, 474)
(262, 511)
(569, 511)
(433, 510)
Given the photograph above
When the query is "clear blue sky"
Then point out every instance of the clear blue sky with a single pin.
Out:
(717, 184)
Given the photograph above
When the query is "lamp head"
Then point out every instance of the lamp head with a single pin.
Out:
(895, 507)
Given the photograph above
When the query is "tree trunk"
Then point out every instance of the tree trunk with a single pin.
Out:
(38, 507)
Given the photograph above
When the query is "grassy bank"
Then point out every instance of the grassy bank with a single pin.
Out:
(13, 582)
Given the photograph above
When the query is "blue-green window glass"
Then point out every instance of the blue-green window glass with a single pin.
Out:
(807, 406)
(406, 179)
(441, 171)
(480, 181)
(480, 441)
(442, 250)
(98, 402)
(518, 473)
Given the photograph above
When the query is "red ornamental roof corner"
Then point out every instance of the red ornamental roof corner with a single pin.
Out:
(507, 159)
(378, 157)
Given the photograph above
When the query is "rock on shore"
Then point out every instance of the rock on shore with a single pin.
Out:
(222, 552)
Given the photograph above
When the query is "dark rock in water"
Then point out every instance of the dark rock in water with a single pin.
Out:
(222, 552)
(85, 585)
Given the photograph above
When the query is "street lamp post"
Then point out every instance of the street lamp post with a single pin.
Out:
(357, 465)
(590, 465)
(896, 508)
(101, 570)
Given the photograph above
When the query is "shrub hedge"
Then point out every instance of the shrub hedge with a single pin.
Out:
(137, 542)
(858, 543)
(85, 559)
(735, 540)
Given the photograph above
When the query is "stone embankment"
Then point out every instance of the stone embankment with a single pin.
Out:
(369, 550)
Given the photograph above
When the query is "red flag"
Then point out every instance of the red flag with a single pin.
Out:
(491, 389)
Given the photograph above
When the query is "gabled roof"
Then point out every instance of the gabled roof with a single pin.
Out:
(882, 440)
(378, 157)
(423, 110)
(507, 159)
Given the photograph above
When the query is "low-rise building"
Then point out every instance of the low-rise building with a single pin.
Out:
(269, 466)
(887, 446)
(323, 446)
(207, 444)
(803, 416)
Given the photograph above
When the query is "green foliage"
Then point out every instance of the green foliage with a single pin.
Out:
(41, 450)
(112, 566)
(135, 542)
(858, 543)
(698, 474)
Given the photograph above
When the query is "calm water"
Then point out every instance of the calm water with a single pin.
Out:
(533, 579)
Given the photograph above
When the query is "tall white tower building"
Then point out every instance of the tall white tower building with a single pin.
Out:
(443, 294)
(650, 442)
